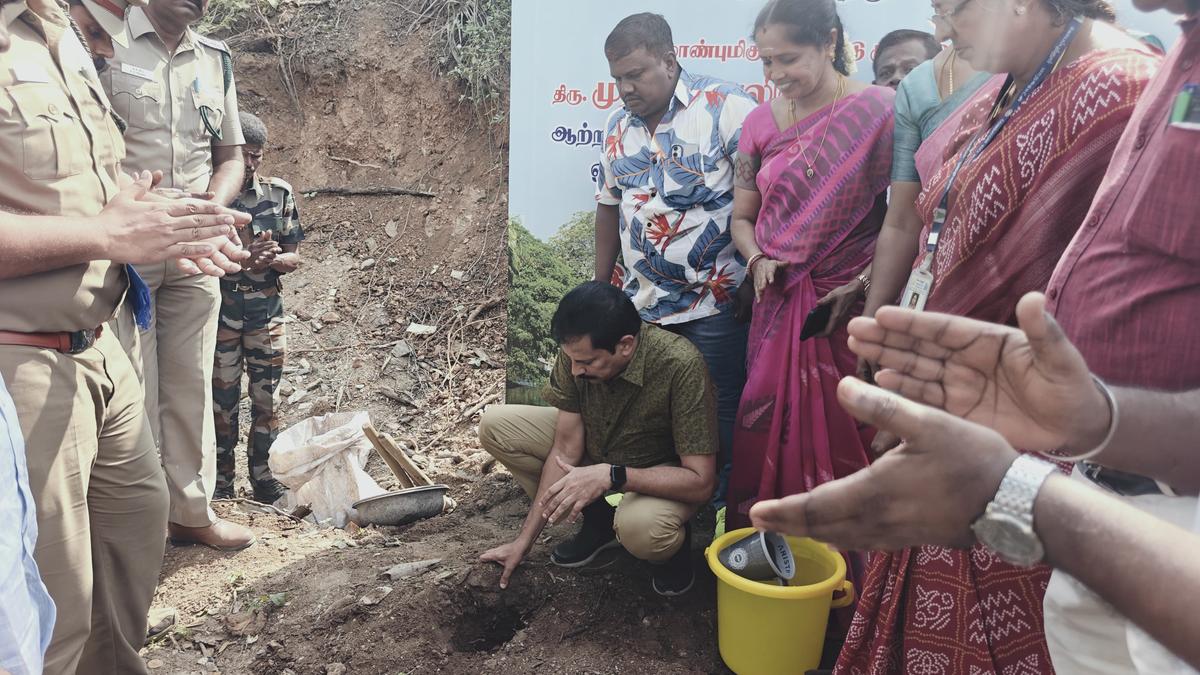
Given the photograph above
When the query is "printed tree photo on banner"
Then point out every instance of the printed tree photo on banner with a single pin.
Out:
(562, 98)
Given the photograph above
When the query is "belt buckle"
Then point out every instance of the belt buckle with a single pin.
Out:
(82, 340)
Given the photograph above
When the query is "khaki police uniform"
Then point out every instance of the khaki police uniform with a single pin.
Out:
(251, 337)
(97, 483)
(177, 107)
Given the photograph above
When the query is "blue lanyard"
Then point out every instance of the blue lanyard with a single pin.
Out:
(972, 152)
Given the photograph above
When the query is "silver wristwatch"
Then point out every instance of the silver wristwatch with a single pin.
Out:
(1006, 527)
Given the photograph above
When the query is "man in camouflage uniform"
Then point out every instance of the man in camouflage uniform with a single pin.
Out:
(250, 331)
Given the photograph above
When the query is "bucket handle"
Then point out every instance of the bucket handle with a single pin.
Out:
(847, 599)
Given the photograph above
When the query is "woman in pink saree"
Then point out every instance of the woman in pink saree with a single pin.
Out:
(812, 170)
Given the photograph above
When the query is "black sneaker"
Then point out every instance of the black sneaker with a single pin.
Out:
(224, 492)
(268, 491)
(676, 576)
(595, 536)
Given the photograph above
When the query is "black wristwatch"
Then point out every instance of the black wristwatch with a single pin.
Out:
(616, 474)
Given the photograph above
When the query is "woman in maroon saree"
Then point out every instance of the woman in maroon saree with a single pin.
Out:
(812, 170)
(1010, 214)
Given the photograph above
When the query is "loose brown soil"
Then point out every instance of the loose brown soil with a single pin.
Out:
(293, 603)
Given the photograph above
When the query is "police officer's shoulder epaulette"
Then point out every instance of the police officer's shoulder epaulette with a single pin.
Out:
(214, 43)
(280, 183)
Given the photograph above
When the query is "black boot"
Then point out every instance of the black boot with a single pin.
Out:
(224, 491)
(268, 491)
(676, 575)
(595, 536)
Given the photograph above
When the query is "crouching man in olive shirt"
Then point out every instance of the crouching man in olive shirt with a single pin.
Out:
(634, 411)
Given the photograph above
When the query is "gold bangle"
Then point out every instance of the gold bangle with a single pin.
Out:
(753, 259)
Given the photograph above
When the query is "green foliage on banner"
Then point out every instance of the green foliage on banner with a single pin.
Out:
(538, 278)
(575, 244)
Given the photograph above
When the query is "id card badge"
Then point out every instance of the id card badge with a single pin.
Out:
(920, 284)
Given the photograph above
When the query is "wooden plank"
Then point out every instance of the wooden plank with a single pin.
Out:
(418, 476)
(381, 448)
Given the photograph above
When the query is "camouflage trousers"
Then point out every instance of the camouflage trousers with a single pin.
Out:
(250, 338)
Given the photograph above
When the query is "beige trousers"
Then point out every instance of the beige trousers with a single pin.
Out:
(101, 501)
(176, 356)
(520, 438)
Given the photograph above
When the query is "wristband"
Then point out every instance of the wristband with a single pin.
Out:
(754, 259)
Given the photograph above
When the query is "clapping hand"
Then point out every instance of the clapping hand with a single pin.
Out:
(263, 251)
(145, 224)
(927, 491)
(1028, 383)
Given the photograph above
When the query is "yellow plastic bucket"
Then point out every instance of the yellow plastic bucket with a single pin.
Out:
(773, 630)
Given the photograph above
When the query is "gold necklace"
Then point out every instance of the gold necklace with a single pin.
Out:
(841, 90)
(948, 68)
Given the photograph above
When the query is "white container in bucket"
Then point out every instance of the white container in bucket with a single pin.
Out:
(765, 629)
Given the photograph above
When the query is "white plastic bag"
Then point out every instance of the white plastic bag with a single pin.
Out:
(321, 460)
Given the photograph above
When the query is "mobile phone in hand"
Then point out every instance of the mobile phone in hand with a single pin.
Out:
(816, 320)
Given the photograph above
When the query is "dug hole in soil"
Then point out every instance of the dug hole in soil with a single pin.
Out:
(305, 600)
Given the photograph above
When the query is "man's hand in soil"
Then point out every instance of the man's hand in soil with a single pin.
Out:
(581, 486)
(508, 556)
(927, 491)
(263, 251)
(1030, 384)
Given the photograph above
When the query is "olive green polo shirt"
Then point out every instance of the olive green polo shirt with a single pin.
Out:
(661, 408)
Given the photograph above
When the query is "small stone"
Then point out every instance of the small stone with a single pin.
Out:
(458, 275)
(375, 596)
(409, 569)
(420, 329)
(154, 664)
(401, 350)
(335, 669)
(331, 317)
(322, 406)
(371, 244)
(366, 264)
(390, 229)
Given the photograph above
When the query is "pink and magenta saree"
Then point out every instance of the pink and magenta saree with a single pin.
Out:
(1011, 214)
(791, 434)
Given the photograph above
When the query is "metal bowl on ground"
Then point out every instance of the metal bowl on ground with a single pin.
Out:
(403, 506)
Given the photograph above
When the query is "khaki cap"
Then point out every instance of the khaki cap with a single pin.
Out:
(110, 14)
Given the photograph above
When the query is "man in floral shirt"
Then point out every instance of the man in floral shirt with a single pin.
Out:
(664, 199)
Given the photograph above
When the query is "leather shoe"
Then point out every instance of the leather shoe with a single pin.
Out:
(221, 535)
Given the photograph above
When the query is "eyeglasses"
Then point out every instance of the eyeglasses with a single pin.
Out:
(948, 17)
